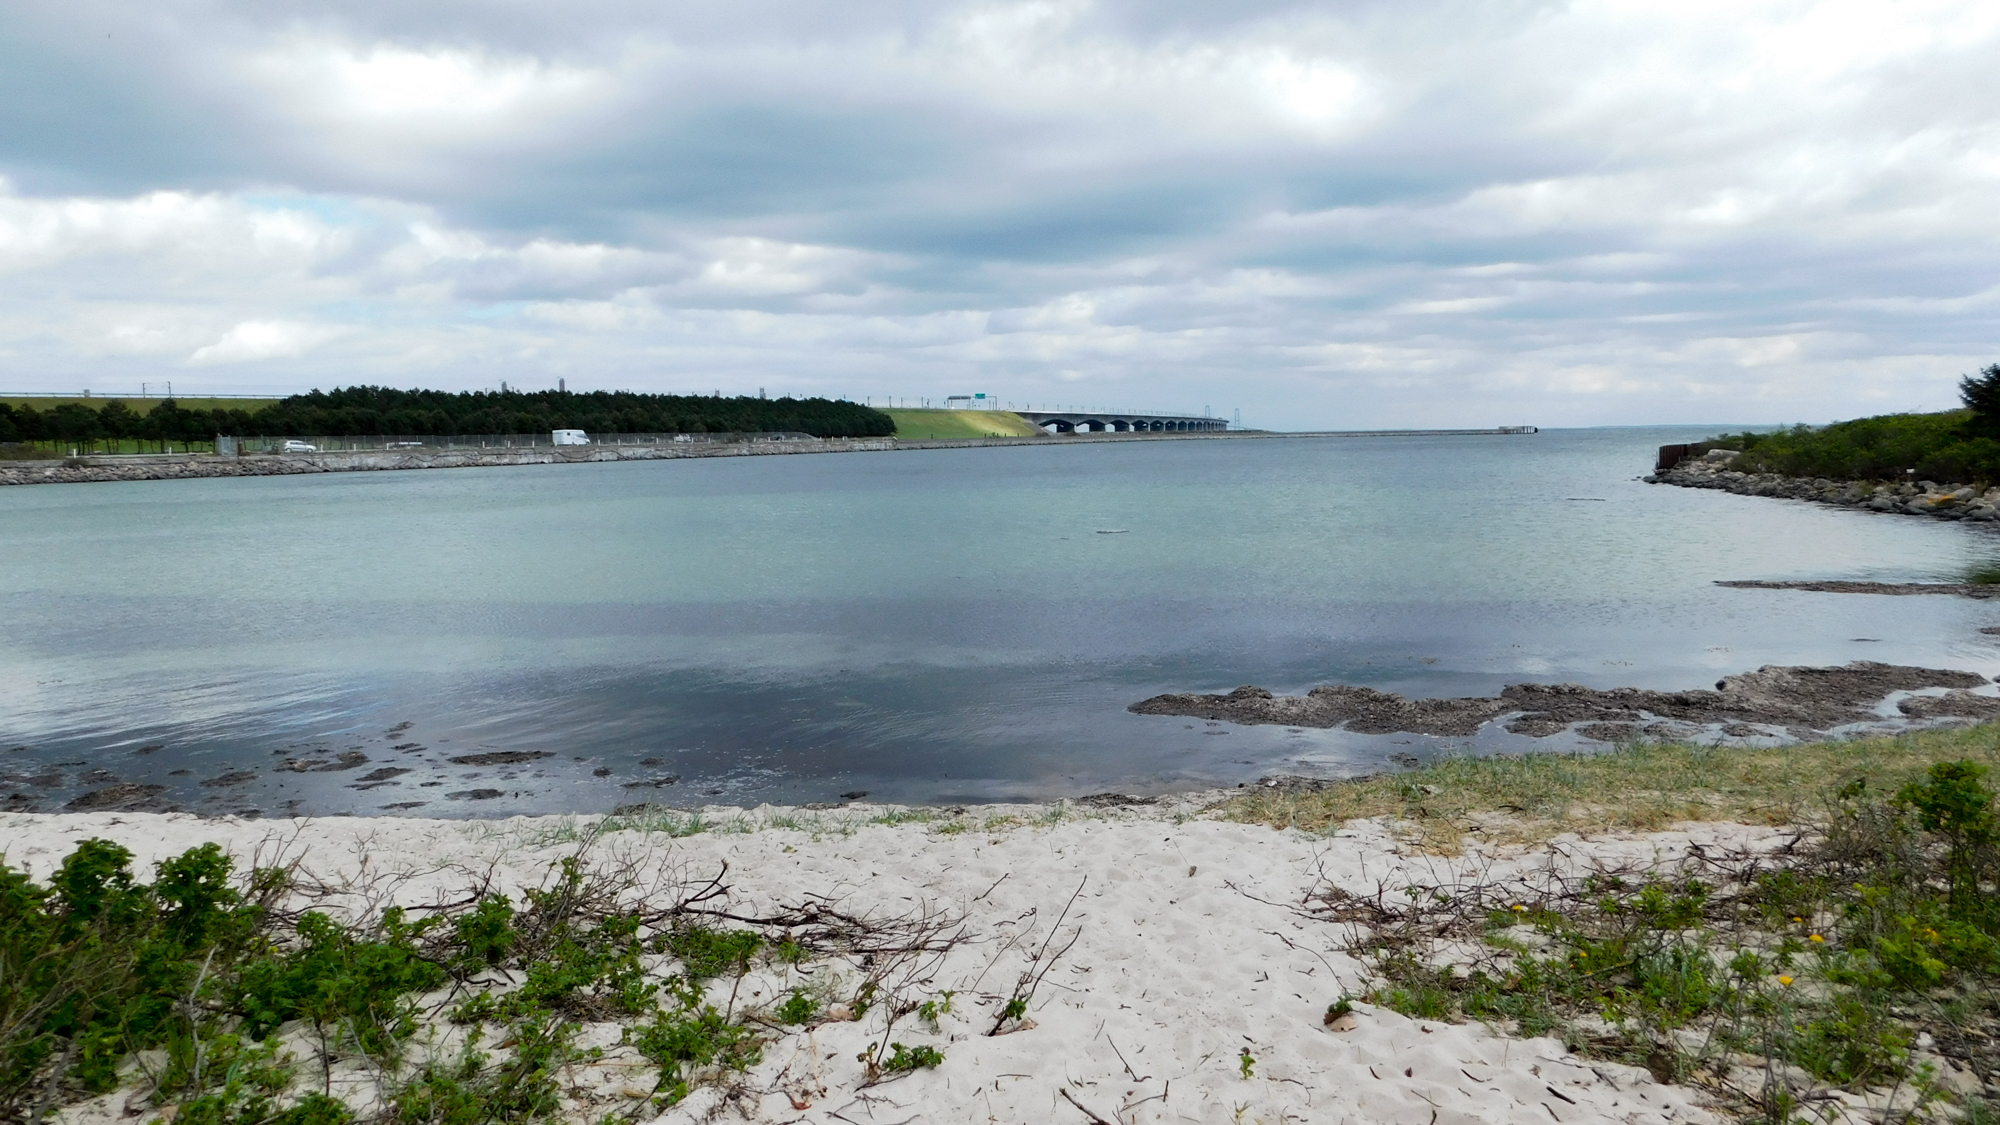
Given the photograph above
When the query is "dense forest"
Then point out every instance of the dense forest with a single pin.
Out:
(355, 411)
(1959, 446)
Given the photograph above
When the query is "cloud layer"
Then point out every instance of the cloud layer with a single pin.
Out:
(1324, 215)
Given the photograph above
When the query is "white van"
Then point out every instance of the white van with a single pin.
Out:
(569, 437)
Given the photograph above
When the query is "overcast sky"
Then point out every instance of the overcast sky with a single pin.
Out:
(1328, 214)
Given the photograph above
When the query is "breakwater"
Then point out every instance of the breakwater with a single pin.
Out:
(1913, 498)
(76, 470)
(180, 466)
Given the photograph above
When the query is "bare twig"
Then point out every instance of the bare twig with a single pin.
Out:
(1071, 1098)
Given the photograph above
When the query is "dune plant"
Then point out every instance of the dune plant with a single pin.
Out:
(1830, 963)
(225, 982)
(95, 964)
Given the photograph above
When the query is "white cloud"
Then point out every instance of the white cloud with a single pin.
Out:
(762, 266)
(1604, 211)
(377, 103)
(255, 340)
(37, 234)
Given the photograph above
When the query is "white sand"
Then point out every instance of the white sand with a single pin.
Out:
(1190, 951)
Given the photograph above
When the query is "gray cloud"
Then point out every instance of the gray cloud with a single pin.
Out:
(1323, 214)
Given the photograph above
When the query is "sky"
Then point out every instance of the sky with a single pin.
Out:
(1324, 215)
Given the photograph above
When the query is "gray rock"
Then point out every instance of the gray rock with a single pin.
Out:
(127, 797)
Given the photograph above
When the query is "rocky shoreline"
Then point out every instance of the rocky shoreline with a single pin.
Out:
(184, 466)
(1773, 701)
(1914, 498)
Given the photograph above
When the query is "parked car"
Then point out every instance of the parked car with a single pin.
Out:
(569, 437)
(293, 445)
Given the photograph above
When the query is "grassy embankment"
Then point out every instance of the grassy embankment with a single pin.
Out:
(136, 405)
(1947, 447)
(1859, 964)
(924, 425)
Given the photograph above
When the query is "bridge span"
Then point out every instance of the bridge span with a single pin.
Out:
(1099, 421)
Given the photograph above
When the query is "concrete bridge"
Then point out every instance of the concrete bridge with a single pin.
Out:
(1099, 421)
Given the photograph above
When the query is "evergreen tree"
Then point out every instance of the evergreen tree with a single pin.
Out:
(1981, 395)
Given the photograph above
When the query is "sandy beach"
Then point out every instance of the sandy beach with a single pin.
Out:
(1192, 983)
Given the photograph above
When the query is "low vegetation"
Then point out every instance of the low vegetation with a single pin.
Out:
(1852, 975)
(221, 998)
(1640, 787)
(1956, 446)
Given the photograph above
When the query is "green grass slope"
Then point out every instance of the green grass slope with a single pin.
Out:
(921, 425)
(136, 405)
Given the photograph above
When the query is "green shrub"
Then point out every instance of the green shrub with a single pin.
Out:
(315, 1109)
(337, 977)
(587, 969)
(1951, 802)
(1850, 1042)
(694, 1036)
(475, 1090)
(485, 935)
(903, 1060)
(798, 1008)
(706, 953)
(1890, 908)
(1938, 446)
(95, 965)
(92, 965)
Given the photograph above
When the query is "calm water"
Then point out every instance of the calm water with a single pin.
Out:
(938, 626)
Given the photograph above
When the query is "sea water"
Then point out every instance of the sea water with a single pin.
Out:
(938, 626)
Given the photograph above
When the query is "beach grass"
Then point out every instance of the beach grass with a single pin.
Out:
(1636, 787)
(924, 425)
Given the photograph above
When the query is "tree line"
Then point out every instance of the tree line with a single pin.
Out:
(363, 411)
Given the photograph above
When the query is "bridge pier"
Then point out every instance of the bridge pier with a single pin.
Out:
(1077, 422)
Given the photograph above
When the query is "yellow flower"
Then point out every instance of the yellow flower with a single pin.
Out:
(1816, 937)
(1796, 918)
(1786, 981)
(1518, 908)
